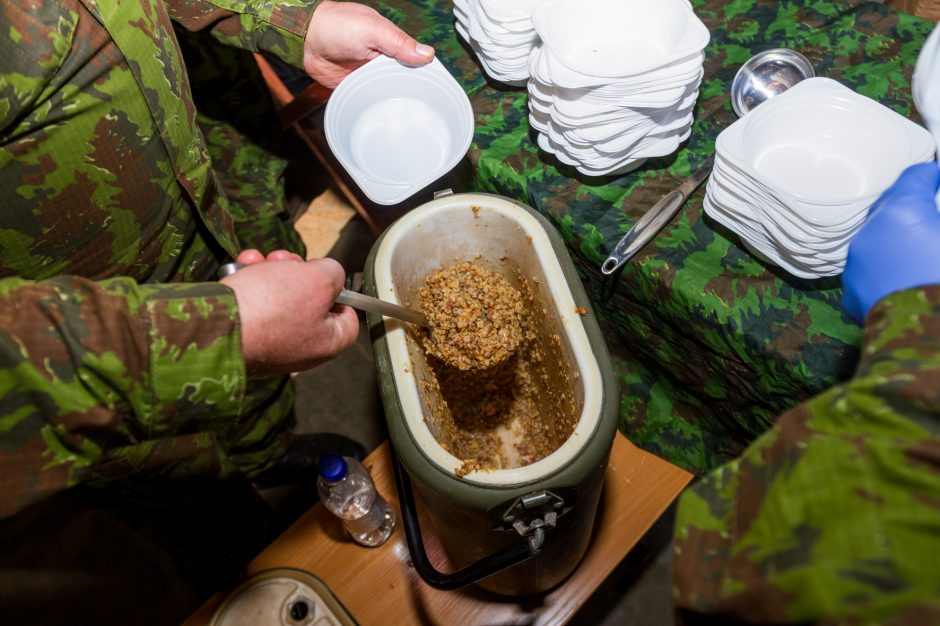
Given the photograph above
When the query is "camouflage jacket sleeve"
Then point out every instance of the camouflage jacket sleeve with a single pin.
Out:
(74, 396)
(276, 27)
(832, 516)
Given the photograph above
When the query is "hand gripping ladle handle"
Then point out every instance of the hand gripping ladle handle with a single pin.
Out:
(357, 301)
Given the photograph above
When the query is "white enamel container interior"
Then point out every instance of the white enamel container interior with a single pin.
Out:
(502, 236)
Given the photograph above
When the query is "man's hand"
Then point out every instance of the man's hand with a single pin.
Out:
(899, 247)
(344, 35)
(289, 321)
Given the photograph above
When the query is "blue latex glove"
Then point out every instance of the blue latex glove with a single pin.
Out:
(899, 247)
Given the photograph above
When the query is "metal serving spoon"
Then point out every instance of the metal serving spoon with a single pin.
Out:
(760, 78)
(357, 301)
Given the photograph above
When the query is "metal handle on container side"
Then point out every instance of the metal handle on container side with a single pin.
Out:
(487, 566)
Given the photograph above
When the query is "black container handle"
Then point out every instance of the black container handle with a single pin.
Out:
(487, 566)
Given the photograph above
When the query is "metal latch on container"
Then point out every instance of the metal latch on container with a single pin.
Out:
(532, 513)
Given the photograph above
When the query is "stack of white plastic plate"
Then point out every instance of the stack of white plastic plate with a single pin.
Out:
(501, 34)
(925, 87)
(795, 177)
(613, 82)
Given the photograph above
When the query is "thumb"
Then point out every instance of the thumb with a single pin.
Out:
(911, 196)
(918, 181)
(396, 43)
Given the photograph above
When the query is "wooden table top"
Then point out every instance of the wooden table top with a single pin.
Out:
(379, 586)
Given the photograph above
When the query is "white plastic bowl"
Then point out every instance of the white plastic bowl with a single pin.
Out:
(821, 143)
(618, 38)
(395, 129)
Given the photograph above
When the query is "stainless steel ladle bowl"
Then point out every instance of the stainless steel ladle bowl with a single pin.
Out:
(767, 74)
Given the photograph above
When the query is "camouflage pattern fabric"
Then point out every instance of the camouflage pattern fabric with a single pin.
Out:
(237, 118)
(709, 343)
(833, 515)
(119, 359)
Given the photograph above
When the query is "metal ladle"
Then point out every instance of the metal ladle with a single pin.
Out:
(763, 76)
(357, 301)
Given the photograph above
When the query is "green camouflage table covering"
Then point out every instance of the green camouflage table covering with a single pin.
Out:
(709, 343)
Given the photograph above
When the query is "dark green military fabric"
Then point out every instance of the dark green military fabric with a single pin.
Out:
(833, 515)
(237, 118)
(709, 343)
(118, 358)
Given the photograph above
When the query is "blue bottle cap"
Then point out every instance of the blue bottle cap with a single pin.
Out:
(332, 467)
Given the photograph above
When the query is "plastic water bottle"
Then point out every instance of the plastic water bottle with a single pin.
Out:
(347, 490)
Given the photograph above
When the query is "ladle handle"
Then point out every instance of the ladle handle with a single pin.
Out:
(654, 219)
(374, 305)
(357, 301)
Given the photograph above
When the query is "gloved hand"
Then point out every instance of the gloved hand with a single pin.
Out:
(899, 247)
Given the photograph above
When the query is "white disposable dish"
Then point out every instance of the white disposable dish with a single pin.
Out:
(512, 70)
(618, 38)
(761, 247)
(820, 143)
(623, 166)
(677, 125)
(549, 69)
(925, 87)
(486, 35)
(831, 218)
(664, 119)
(395, 129)
(732, 200)
(800, 234)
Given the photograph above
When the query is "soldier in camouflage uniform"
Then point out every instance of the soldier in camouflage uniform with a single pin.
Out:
(833, 515)
(121, 354)
(122, 357)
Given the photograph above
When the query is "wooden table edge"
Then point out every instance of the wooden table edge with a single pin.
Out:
(639, 487)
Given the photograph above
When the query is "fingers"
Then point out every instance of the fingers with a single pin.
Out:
(332, 269)
(342, 321)
(249, 257)
(346, 323)
(923, 178)
(396, 43)
(252, 256)
(284, 255)
(911, 197)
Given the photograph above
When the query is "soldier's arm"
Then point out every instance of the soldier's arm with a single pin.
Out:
(278, 27)
(833, 516)
(92, 367)
(834, 513)
(327, 39)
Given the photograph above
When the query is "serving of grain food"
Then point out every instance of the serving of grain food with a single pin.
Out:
(496, 395)
(475, 316)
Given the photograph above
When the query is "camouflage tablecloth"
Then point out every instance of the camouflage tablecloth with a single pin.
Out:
(709, 343)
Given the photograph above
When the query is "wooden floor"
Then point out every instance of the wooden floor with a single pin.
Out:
(322, 223)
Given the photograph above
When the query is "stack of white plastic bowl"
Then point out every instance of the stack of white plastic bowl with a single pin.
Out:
(795, 177)
(501, 34)
(613, 82)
